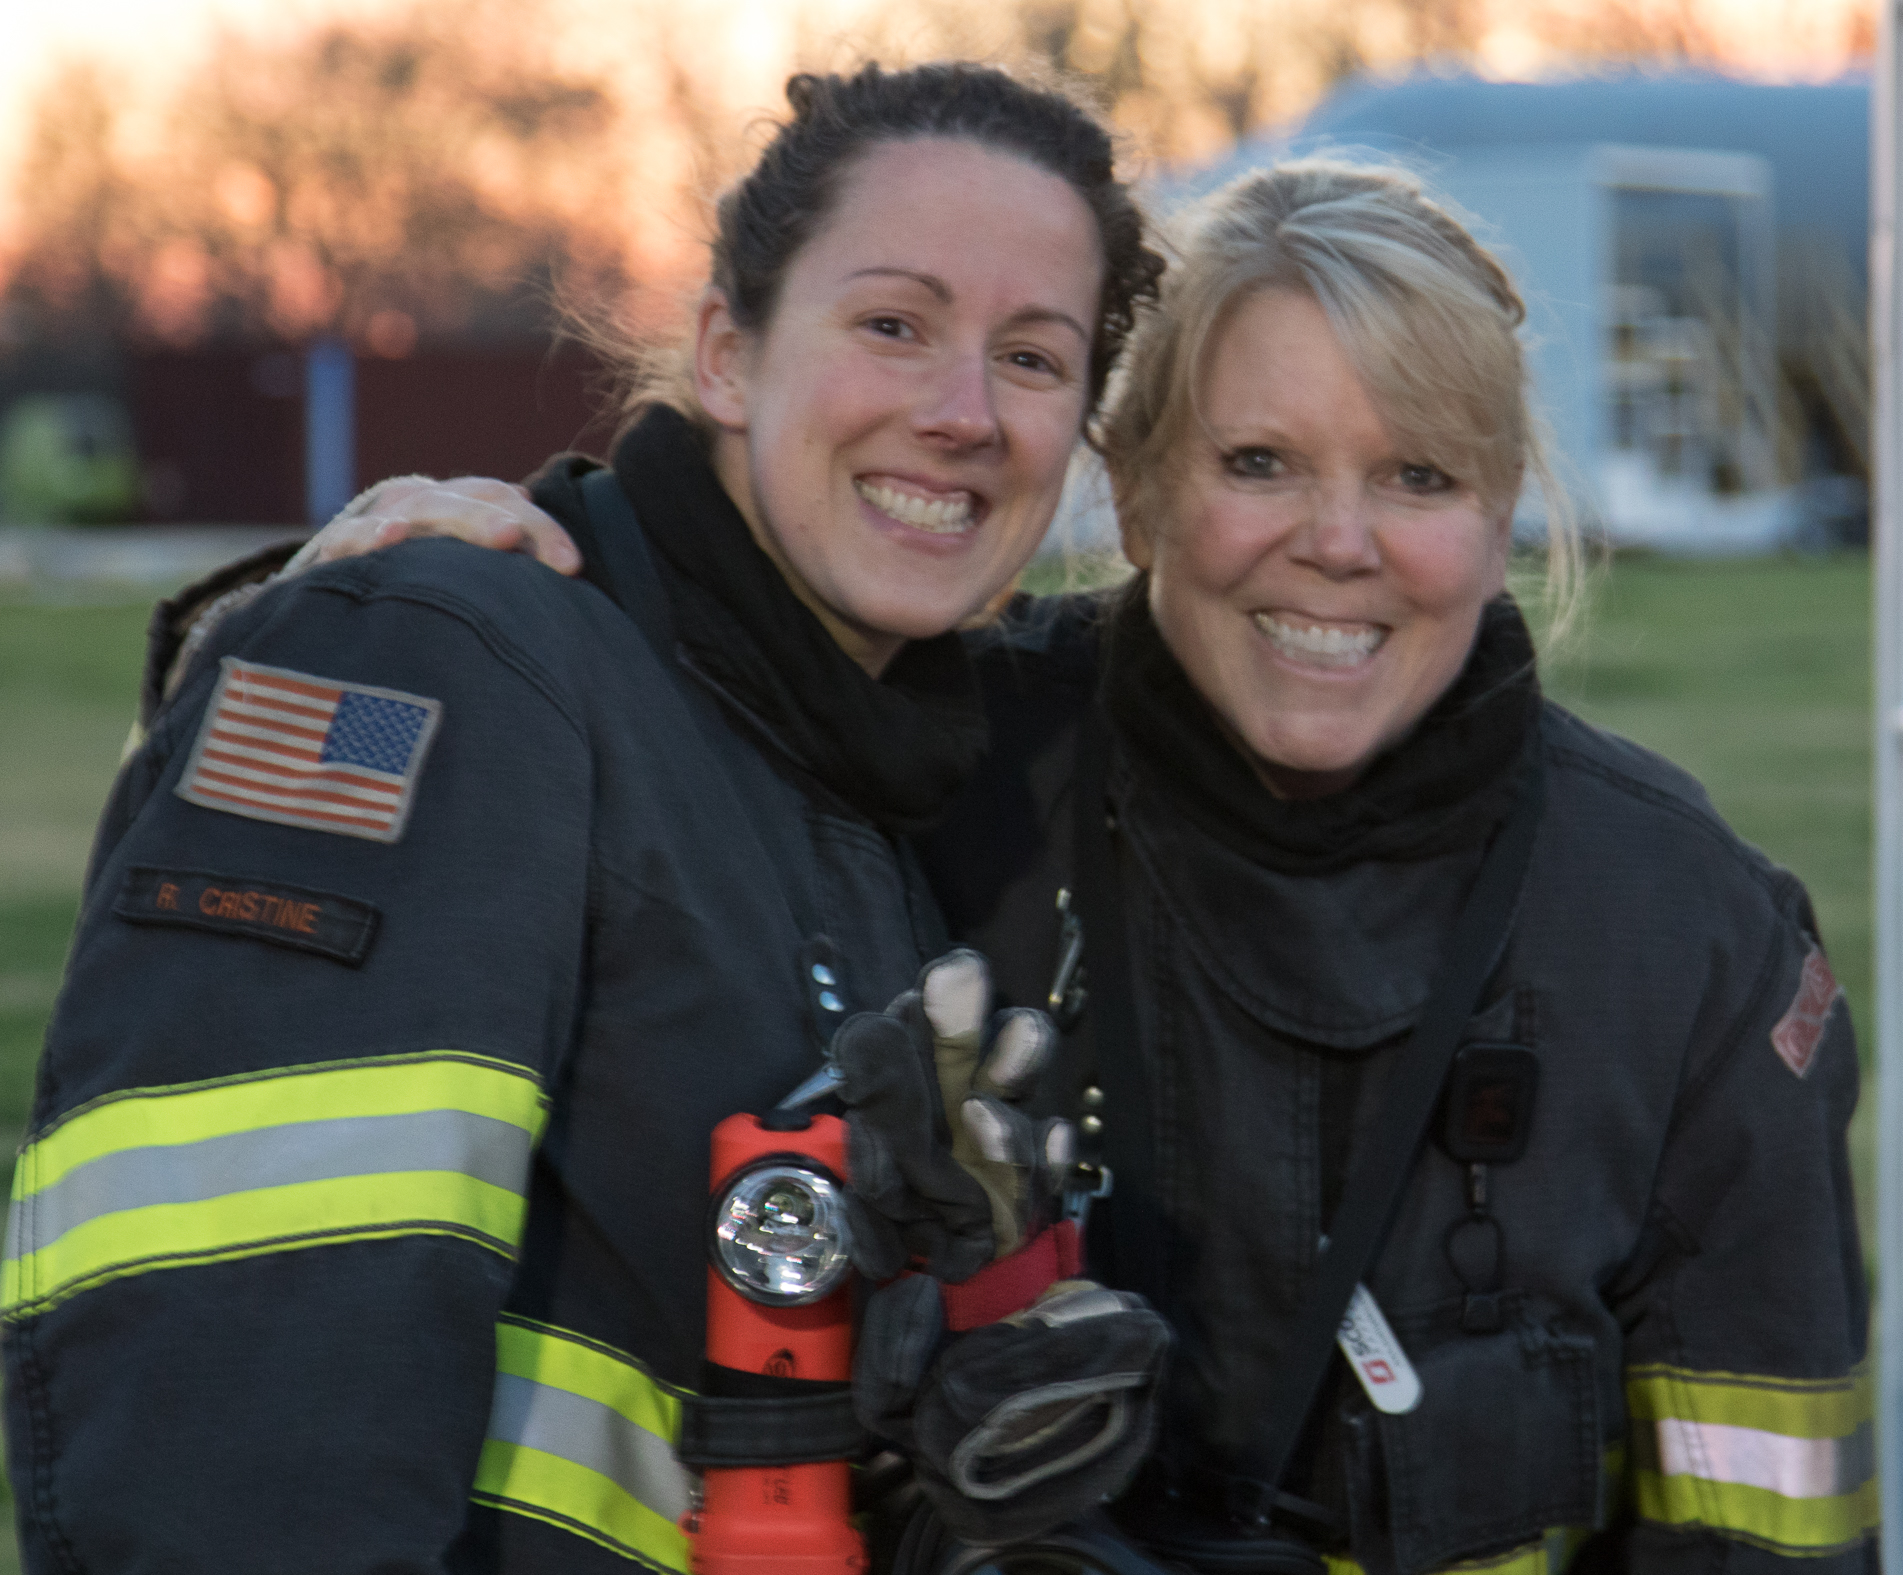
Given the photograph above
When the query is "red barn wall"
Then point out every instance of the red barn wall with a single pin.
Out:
(220, 433)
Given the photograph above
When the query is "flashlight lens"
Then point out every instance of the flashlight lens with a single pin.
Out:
(779, 1235)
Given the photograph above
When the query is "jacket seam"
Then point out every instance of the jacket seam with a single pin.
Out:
(500, 645)
(1707, 823)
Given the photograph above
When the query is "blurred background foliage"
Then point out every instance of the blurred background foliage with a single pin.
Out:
(428, 169)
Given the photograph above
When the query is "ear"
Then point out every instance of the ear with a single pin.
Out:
(720, 357)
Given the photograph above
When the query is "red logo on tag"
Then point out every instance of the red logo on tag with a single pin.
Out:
(1378, 1372)
(1801, 1029)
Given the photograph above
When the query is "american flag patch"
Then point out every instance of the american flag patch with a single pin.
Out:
(312, 752)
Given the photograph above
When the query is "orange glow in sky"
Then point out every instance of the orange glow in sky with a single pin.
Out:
(150, 41)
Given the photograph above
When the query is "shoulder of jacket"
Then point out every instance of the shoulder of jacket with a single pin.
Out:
(552, 630)
(1633, 786)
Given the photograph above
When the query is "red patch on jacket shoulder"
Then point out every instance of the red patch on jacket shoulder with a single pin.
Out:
(1801, 1029)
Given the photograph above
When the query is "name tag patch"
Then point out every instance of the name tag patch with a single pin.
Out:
(311, 752)
(294, 916)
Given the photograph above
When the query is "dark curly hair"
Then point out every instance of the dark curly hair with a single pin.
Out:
(777, 208)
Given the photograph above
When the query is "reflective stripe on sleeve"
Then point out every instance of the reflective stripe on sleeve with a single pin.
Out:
(1548, 1556)
(581, 1436)
(155, 1178)
(1785, 1464)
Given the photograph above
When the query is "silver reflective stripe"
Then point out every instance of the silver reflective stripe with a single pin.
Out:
(1751, 1457)
(588, 1433)
(454, 1140)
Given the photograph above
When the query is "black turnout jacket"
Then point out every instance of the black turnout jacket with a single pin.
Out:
(359, 1226)
(1658, 1363)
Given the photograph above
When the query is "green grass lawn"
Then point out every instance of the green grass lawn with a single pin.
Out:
(1754, 676)
(68, 676)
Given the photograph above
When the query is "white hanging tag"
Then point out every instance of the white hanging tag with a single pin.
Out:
(1376, 1356)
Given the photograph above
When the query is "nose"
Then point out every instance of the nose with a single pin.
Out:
(956, 409)
(1337, 536)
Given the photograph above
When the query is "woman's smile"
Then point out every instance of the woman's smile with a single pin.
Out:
(911, 503)
(1323, 646)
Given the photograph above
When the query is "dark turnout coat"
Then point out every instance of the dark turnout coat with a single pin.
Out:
(360, 1222)
(1670, 1372)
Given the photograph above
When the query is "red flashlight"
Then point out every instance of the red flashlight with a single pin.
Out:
(778, 1303)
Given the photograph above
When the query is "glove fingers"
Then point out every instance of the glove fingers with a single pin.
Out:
(885, 1075)
(1003, 1134)
(1057, 1152)
(876, 1177)
(881, 1072)
(1021, 1045)
(942, 1216)
(956, 991)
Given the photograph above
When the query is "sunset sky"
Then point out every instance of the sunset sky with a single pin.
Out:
(151, 41)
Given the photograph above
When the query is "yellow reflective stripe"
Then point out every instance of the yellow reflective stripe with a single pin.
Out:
(1755, 1515)
(434, 1143)
(272, 1219)
(1784, 1464)
(556, 1357)
(191, 1112)
(1795, 1407)
(582, 1437)
(548, 1488)
(1548, 1556)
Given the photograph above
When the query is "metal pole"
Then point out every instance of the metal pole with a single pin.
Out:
(1886, 325)
(330, 428)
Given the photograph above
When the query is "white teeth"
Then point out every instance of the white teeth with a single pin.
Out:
(1320, 645)
(940, 516)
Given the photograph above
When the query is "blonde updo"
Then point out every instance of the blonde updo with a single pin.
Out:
(1428, 319)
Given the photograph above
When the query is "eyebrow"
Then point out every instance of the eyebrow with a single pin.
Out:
(939, 288)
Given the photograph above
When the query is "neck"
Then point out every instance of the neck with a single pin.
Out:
(871, 649)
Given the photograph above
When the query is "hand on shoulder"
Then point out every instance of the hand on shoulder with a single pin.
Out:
(475, 509)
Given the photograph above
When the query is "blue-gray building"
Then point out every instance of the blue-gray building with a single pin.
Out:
(1693, 250)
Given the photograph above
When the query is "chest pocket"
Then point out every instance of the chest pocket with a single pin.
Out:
(1503, 1450)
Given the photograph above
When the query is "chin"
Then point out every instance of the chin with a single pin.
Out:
(908, 618)
(1328, 762)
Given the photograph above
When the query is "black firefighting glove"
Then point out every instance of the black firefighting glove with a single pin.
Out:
(946, 1170)
(1020, 1425)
